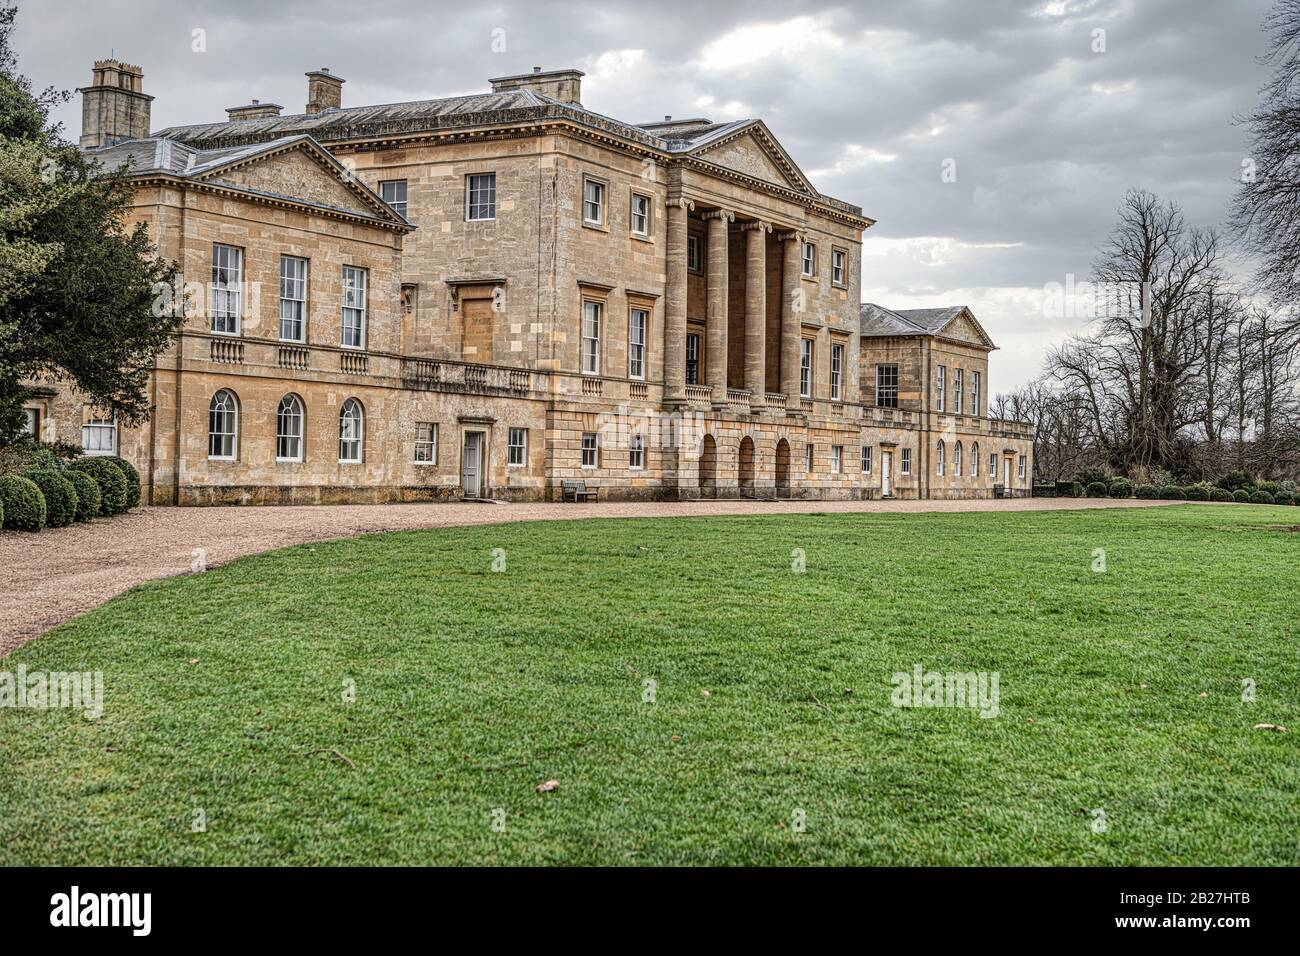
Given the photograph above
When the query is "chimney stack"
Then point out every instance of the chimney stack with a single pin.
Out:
(114, 107)
(324, 91)
(254, 110)
(562, 85)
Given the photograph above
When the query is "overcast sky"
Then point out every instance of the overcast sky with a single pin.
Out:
(1046, 121)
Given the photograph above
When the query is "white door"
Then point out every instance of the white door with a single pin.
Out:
(1006, 477)
(886, 463)
(472, 469)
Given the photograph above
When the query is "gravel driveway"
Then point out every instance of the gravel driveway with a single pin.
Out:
(52, 577)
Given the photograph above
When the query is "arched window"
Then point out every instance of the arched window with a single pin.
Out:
(975, 453)
(223, 426)
(956, 458)
(288, 429)
(938, 459)
(352, 431)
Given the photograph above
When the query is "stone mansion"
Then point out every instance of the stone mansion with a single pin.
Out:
(486, 296)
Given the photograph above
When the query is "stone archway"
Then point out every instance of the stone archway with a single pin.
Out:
(746, 461)
(708, 468)
(783, 469)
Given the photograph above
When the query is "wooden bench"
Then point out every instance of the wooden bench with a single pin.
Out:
(577, 491)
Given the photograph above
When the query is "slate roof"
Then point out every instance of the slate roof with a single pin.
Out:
(876, 320)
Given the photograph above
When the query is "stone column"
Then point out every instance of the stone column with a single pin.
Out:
(792, 312)
(717, 316)
(675, 305)
(755, 311)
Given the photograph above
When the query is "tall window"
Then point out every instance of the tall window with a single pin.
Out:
(905, 461)
(640, 214)
(808, 452)
(694, 260)
(938, 458)
(393, 192)
(638, 321)
(426, 443)
(593, 202)
(887, 386)
(590, 450)
(957, 387)
(227, 279)
(32, 422)
(517, 448)
(975, 459)
(1023, 462)
(288, 429)
(805, 367)
(354, 307)
(480, 196)
(993, 465)
(808, 254)
(692, 358)
(975, 393)
(866, 459)
(99, 433)
(636, 451)
(838, 272)
(293, 298)
(939, 383)
(223, 426)
(591, 338)
(956, 459)
(352, 431)
(837, 371)
(837, 458)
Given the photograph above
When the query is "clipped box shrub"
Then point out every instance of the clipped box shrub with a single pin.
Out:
(132, 479)
(88, 496)
(111, 481)
(1146, 491)
(1242, 495)
(60, 496)
(1097, 489)
(1172, 493)
(24, 505)
(1220, 494)
(1121, 488)
(1236, 481)
(1284, 497)
(1198, 493)
(1272, 487)
(1261, 498)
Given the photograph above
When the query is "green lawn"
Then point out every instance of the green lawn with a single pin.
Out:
(1120, 692)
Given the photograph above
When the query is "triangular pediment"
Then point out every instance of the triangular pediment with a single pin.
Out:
(755, 152)
(963, 328)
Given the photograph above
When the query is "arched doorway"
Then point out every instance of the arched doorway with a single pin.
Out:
(709, 468)
(746, 466)
(783, 469)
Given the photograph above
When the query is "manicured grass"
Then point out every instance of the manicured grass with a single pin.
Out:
(1120, 691)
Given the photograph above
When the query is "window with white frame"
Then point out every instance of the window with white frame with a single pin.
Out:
(975, 459)
(805, 367)
(808, 256)
(590, 450)
(393, 192)
(905, 461)
(808, 458)
(352, 432)
(426, 443)
(227, 288)
(288, 429)
(223, 426)
(975, 393)
(99, 433)
(593, 202)
(640, 215)
(354, 307)
(1024, 460)
(694, 258)
(636, 451)
(839, 274)
(293, 298)
(957, 387)
(939, 458)
(637, 325)
(837, 458)
(837, 371)
(591, 337)
(940, 375)
(866, 459)
(993, 464)
(956, 459)
(887, 386)
(480, 196)
(517, 447)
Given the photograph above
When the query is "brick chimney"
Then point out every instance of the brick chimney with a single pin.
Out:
(254, 110)
(114, 107)
(562, 85)
(324, 91)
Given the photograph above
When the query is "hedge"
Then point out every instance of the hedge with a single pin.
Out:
(1284, 497)
(111, 481)
(60, 496)
(1146, 491)
(1121, 488)
(1097, 489)
(24, 505)
(1261, 498)
(132, 479)
(1172, 493)
(1241, 494)
(1220, 494)
(88, 496)
(1198, 493)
